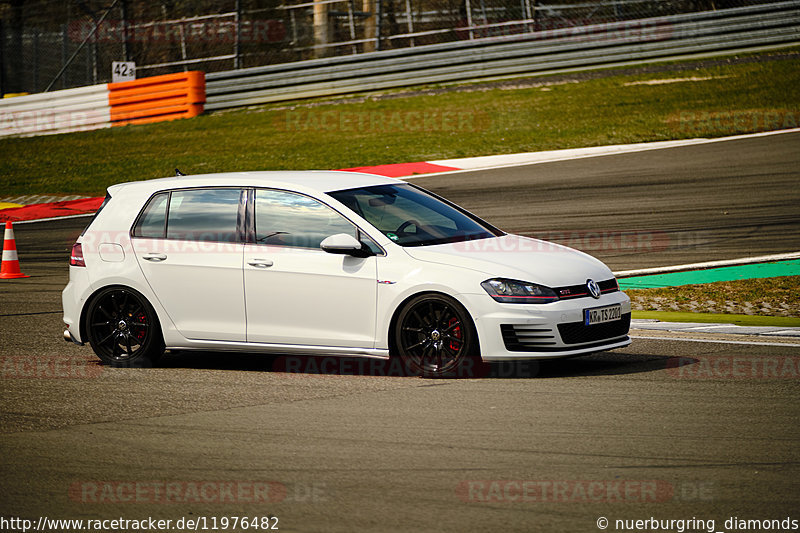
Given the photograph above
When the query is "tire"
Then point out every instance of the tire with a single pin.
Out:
(435, 338)
(123, 328)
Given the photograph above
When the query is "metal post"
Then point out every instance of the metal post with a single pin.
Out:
(321, 27)
(369, 24)
(236, 42)
(15, 79)
(378, 21)
(36, 60)
(352, 23)
(293, 21)
(64, 47)
(94, 62)
(526, 15)
(410, 20)
(183, 46)
(123, 13)
(469, 19)
(2, 62)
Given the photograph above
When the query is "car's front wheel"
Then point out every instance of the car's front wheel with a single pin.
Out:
(123, 328)
(435, 337)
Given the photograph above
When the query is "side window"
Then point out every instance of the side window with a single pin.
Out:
(152, 222)
(204, 215)
(289, 219)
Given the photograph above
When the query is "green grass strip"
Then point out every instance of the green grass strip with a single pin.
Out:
(710, 318)
(711, 275)
(620, 106)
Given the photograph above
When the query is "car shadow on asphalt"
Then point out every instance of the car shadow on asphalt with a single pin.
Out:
(610, 364)
(601, 364)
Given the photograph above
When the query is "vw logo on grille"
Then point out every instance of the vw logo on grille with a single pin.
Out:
(594, 288)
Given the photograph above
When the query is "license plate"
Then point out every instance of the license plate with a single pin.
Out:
(599, 315)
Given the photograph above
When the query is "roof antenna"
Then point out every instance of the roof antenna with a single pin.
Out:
(178, 172)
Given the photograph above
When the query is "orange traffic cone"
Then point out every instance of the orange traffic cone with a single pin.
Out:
(10, 266)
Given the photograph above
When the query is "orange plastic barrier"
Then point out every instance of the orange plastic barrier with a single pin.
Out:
(157, 98)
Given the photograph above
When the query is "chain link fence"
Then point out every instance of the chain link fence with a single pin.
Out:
(59, 44)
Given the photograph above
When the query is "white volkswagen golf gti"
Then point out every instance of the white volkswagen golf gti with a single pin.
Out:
(327, 263)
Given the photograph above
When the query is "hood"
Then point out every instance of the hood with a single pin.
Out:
(516, 257)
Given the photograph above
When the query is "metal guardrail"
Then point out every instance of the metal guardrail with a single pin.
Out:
(595, 46)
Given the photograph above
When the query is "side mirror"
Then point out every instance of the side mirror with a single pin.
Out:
(344, 244)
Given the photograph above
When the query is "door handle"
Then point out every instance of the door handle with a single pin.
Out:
(260, 263)
(156, 258)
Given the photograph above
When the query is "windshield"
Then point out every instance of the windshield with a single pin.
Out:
(411, 216)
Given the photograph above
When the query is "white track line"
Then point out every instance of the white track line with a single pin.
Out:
(709, 264)
(15, 222)
(748, 343)
(491, 162)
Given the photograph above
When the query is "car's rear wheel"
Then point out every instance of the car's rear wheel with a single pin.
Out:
(123, 328)
(435, 337)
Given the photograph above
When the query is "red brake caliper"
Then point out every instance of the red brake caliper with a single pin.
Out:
(456, 332)
(140, 331)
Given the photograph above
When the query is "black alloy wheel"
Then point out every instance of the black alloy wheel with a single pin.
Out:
(435, 337)
(123, 329)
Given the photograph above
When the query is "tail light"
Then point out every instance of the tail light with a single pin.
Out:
(76, 257)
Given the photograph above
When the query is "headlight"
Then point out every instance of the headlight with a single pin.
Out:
(509, 291)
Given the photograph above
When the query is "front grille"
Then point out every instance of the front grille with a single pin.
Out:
(526, 337)
(580, 291)
(578, 333)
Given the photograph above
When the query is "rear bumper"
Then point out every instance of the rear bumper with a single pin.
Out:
(72, 300)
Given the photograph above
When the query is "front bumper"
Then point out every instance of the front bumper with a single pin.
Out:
(509, 332)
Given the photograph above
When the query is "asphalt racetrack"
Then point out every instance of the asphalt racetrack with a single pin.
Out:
(664, 429)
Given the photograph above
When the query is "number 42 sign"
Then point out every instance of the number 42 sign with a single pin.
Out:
(123, 71)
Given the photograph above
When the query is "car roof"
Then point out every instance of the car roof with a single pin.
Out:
(319, 181)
